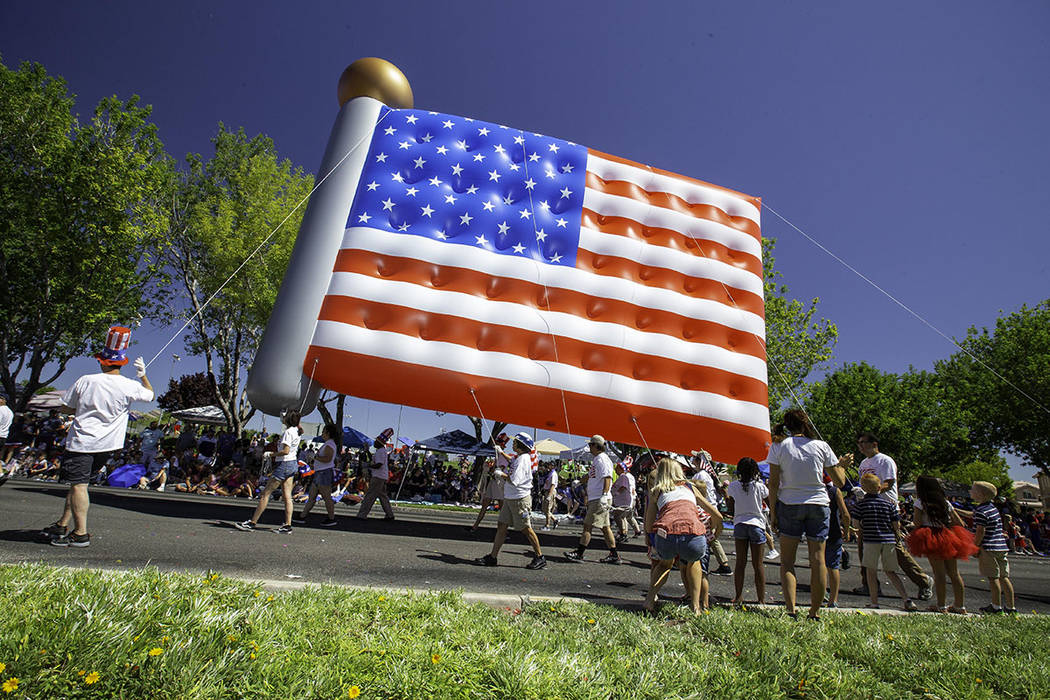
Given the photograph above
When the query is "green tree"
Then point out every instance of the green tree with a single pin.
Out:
(1003, 381)
(80, 219)
(188, 391)
(223, 211)
(796, 341)
(994, 470)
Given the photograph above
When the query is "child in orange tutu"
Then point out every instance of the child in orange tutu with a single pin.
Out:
(941, 538)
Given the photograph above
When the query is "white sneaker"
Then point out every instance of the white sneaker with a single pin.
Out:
(545, 529)
(160, 489)
(773, 555)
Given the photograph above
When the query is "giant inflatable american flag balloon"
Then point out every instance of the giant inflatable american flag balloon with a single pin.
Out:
(459, 265)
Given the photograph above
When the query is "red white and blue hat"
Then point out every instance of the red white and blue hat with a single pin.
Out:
(117, 340)
(525, 439)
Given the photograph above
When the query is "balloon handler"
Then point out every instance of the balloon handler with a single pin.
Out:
(517, 504)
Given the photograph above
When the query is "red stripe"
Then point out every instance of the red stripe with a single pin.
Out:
(670, 238)
(517, 291)
(396, 382)
(541, 347)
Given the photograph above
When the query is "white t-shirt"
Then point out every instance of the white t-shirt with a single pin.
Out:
(601, 467)
(802, 463)
(623, 490)
(550, 481)
(381, 463)
(290, 438)
(320, 466)
(709, 485)
(519, 479)
(747, 505)
(6, 418)
(101, 402)
(883, 467)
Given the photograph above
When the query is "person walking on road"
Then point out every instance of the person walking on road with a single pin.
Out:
(705, 474)
(598, 483)
(99, 404)
(549, 497)
(517, 505)
(380, 474)
(285, 468)
(324, 471)
(491, 490)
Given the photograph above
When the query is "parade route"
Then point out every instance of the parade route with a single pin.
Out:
(424, 549)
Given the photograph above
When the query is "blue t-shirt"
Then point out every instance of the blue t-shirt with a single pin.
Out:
(988, 515)
(877, 516)
(834, 526)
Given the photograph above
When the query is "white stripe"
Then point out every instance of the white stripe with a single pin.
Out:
(669, 259)
(542, 322)
(558, 276)
(496, 365)
(694, 192)
(660, 217)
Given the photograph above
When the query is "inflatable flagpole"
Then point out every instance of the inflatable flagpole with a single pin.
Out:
(278, 379)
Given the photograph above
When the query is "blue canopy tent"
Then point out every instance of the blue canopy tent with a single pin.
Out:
(355, 438)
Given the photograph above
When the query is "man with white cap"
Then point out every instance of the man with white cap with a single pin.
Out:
(517, 505)
(380, 473)
(99, 404)
(705, 474)
(598, 482)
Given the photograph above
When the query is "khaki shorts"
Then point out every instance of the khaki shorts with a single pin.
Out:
(993, 564)
(886, 551)
(596, 517)
(516, 512)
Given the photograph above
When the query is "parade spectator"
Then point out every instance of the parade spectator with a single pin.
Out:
(156, 475)
(549, 497)
(598, 483)
(940, 537)
(992, 552)
(491, 490)
(324, 471)
(380, 473)
(745, 496)
(623, 504)
(838, 529)
(879, 525)
(150, 441)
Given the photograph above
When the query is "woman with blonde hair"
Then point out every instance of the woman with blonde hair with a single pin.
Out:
(672, 521)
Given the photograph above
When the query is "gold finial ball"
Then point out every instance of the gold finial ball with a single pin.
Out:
(378, 79)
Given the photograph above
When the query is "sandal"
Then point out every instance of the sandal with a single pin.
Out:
(957, 611)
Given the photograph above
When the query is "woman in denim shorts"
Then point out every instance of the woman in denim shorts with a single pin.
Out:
(675, 531)
(799, 503)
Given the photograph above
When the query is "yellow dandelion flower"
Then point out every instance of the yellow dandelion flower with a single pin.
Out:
(435, 658)
(92, 678)
(81, 673)
(10, 685)
(382, 598)
(889, 637)
(269, 598)
(354, 692)
(251, 656)
(978, 680)
(156, 651)
(257, 594)
(3, 667)
(214, 576)
(255, 646)
(165, 640)
(136, 638)
(552, 609)
(231, 638)
(590, 621)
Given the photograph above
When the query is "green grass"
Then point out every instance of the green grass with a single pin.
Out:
(222, 638)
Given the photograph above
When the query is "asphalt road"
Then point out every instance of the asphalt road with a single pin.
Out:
(422, 549)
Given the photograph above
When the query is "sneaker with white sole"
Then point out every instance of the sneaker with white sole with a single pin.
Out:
(54, 530)
(72, 540)
(247, 526)
(329, 522)
(284, 530)
(573, 555)
(299, 519)
(611, 559)
(539, 562)
(772, 555)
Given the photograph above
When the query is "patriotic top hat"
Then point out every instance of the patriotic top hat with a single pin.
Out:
(117, 340)
(525, 439)
(501, 439)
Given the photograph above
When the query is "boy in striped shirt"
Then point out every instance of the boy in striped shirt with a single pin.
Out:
(879, 525)
(991, 543)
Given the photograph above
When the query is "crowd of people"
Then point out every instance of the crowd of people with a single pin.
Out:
(683, 503)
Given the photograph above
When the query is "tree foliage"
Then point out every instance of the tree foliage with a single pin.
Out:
(1013, 358)
(79, 224)
(188, 391)
(223, 210)
(796, 341)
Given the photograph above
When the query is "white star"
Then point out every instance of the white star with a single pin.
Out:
(448, 124)
(372, 186)
(364, 218)
(468, 119)
(483, 131)
(550, 174)
(427, 211)
(411, 191)
(525, 213)
(478, 157)
(402, 227)
(465, 219)
(434, 181)
(480, 239)
(561, 222)
(519, 248)
(565, 193)
(450, 199)
(411, 119)
(555, 258)
(534, 157)
(519, 140)
(507, 200)
(441, 235)
(515, 167)
(567, 168)
(419, 162)
(462, 144)
(499, 149)
(540, 235)
(530, 183)
(494, 175)
(381, 158)
(544, 206)
(404, 145)
(397, 177)
(488, 206)
(389, 131)
(473, 189)
(427, 138)
(457, 169)
(503, 228)
(442, 150)
(388, 204)
(553, 147)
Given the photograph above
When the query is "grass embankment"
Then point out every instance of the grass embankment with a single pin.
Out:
(72, 634)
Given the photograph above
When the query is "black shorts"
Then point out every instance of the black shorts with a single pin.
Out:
(78, 467)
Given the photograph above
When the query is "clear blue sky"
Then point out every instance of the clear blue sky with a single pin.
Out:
(909, 138)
